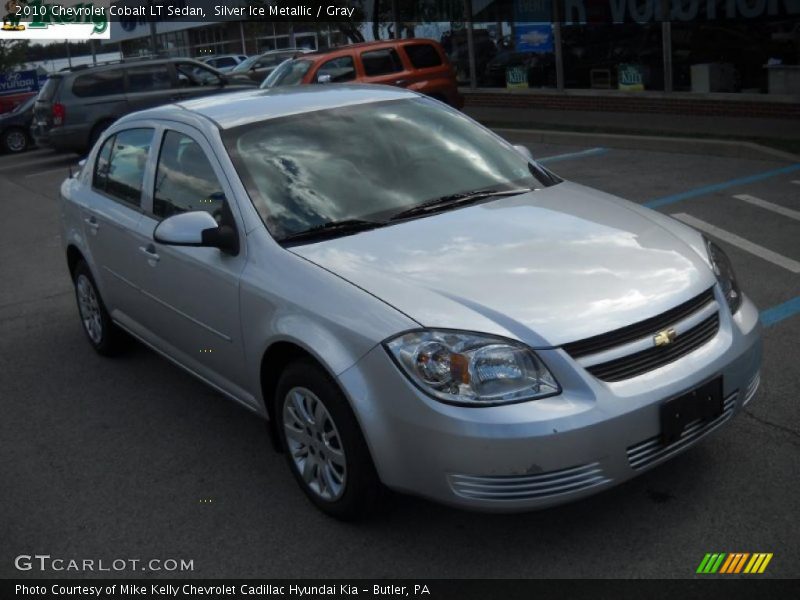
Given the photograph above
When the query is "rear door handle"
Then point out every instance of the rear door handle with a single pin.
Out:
(150, 252)
(401, 82)
(92, 223)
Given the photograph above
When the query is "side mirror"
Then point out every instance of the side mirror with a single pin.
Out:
(199, 229)
(524, 151)
(324, 78)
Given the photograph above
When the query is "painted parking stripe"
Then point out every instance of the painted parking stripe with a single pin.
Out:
(773, 257)
(778, 313)
(64, 169)
(571, 155)
(42, 162)
(715, 187)
(781, 210)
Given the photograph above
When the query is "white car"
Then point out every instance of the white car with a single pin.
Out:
(223, 62)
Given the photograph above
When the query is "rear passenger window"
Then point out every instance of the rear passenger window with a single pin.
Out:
(340, 69)
(149, 79)
(381, 62)
(423, 56)
(185, 179)
(102, 83)
(119, 171)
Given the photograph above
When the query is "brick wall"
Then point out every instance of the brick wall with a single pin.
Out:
(638, 104)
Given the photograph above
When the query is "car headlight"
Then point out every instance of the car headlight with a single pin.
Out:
(471, 369)
(723, 269)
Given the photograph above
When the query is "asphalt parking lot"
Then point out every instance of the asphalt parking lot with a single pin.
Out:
(132, 458)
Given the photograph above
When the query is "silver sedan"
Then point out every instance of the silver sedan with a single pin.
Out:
(412, 302)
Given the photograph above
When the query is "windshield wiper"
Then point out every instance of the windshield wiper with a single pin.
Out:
(454, 200)
(333, 229)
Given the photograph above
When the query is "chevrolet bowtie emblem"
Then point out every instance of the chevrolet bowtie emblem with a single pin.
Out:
(665, 337)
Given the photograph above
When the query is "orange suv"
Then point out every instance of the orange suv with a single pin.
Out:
(417, 64)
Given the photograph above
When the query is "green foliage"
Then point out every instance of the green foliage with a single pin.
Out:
(13, 54)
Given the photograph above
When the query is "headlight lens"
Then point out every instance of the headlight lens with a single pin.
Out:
(725, 275)
(472, 369)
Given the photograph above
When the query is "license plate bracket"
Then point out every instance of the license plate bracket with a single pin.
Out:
(703, 402)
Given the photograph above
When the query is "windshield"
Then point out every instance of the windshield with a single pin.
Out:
(245, 64)
(289, 72)
(369, 162)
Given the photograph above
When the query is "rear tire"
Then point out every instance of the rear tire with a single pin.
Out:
(323, 443)
(105, 337)
(15, 140)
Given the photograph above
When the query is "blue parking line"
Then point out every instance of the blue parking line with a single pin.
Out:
(570, 155)
(715, 187)
(778, 313)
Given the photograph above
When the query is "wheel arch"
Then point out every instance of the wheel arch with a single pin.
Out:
(274, 361)
(74, 256)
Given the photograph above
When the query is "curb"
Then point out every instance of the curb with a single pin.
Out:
(704, 146)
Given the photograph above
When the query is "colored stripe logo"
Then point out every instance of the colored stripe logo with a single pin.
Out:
(734, 562)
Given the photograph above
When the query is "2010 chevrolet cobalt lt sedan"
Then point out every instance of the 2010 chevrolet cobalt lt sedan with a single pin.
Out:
(411, 302)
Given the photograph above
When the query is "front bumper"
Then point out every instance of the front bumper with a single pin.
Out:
(550, 451)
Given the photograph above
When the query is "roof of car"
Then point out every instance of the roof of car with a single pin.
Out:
(367, 45)
(250, 106)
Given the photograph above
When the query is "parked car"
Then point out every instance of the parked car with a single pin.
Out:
(15, 128)
(75, 106)
(223, 63)
(258, 67)
(417, 64)
(407, 298)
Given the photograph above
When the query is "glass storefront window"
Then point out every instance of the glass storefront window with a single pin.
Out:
(736, 56)
(619, 56)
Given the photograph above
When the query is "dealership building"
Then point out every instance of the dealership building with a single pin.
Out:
(733, 55)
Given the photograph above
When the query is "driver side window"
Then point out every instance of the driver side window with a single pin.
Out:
(185, 180)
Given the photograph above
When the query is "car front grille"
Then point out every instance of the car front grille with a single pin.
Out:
(657, 356)
(651, 450)
(630, 333)
(528, 487)
(642, 361)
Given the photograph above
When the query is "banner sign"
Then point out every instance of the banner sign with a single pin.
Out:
(630, 78)
(516, 77)
(19, 82)
(64, 20)
(534, 37)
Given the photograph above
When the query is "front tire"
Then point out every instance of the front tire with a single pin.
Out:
(105, 337)
(15, 140)
(324, 446)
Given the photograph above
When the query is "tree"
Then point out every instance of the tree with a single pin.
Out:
(13, 53)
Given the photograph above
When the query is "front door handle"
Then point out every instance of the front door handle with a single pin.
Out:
(401, 82)
(150, 252)
(92, 223)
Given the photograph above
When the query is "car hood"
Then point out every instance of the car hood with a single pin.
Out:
(546, 267)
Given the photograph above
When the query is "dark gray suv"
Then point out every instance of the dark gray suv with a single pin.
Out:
(75, 106)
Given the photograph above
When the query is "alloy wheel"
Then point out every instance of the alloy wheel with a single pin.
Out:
(16, 141)
(314, 444)
(89, 307)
